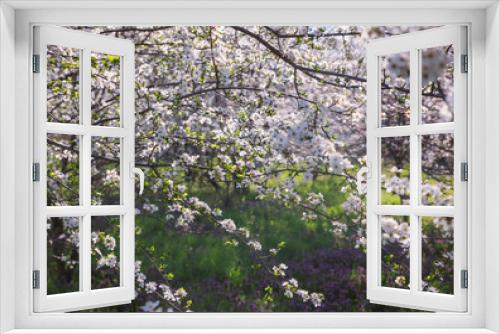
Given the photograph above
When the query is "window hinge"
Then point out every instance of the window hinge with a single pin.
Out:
(464, 171)
(464, 279)
(36, 63)
(36, 172)
(36, 279)
(465, 64)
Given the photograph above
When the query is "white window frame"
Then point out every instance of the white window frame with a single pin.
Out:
(16, 20)
(86, 297)
(413, 43)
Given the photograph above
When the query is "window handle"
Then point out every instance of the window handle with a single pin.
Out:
(361, 179)
(138, 171)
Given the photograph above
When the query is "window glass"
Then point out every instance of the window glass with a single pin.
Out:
(63, 170)
(437, 254)
(63, 242)
(63, 84)
(105, 89)
(437, 169)
(395, 89)
(105, 166)
(395, 170)
(437, 84)
(395, 251)
(105, 250)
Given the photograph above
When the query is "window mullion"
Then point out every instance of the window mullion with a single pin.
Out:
(85, 269)
(415, 255)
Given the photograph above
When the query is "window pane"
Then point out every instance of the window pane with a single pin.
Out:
(395, 251)
(437, 169)
(63, 84)
(395, 170)
(63, 170)
(395, 89)
(105, 252)
(62, 255)
(437, 254)
(105, 171)
(105, 89)
(437, 84)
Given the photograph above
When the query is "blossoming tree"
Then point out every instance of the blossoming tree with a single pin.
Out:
(250, 138)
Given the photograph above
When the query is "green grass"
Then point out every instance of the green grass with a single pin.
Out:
(195, 257)
(193, 260)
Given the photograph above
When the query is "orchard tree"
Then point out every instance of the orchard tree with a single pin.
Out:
(256, 111)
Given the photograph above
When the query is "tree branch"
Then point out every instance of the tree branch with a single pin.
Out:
(298, 35)
(287, 60)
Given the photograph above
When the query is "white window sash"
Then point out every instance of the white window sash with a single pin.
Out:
(414, 297)
(86, 297)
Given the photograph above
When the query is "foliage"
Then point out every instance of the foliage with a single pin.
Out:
(250, 138)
